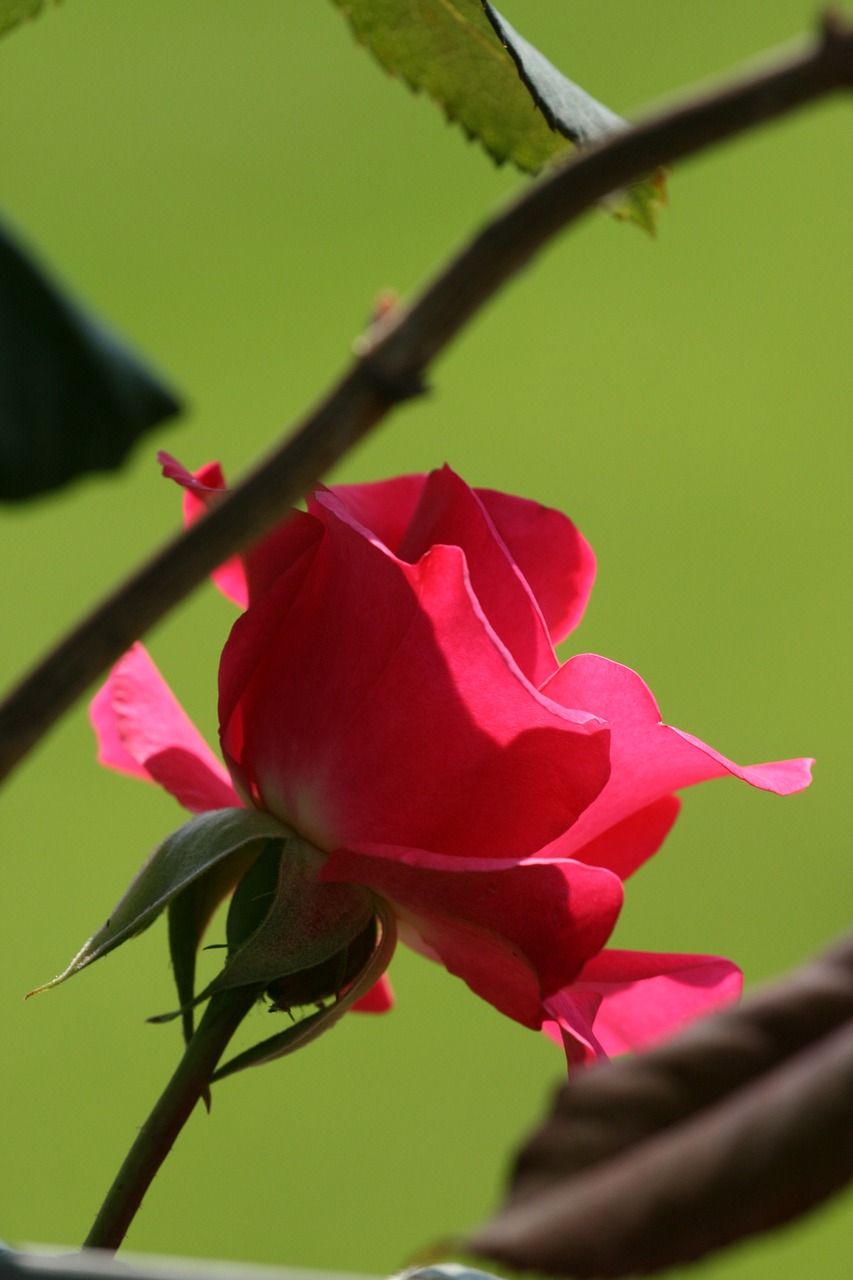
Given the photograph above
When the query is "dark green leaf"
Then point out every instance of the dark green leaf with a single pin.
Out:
(73, 399)
(499, 88)
(188, 853)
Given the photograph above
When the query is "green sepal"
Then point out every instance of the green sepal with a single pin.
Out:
(316, 1024)
(280, 1045)
(253, 896)
(189, 915)
(283, 920)
(177, 863)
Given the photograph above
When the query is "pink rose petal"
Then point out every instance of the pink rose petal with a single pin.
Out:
(649, 760)
(482, 764)
(379, 999)
(513, 932)
(571, 1024)
(385, 507)
(451, 514)
(201, 489)
(625, 846)
(642, 998)
(556, 561)
(553, 565)
(142, 730)
(249, 576)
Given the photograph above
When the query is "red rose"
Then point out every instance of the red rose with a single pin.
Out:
(391, 693)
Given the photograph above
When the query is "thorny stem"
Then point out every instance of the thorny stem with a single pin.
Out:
(155, 1139)
(391, 363)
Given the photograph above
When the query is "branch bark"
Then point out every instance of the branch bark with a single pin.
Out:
(391, 361)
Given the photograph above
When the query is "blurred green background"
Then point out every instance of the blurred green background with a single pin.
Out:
(232, 184)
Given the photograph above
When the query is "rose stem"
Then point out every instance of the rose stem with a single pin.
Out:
(224, 1013)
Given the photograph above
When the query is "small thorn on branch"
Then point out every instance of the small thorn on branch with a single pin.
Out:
(393, 387)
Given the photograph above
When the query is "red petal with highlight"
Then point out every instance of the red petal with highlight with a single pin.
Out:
(364, 650)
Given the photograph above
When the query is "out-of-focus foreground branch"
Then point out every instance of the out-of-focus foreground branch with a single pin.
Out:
(392, 359)
(740, 1124)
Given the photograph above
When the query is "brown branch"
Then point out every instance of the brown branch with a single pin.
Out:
(734, 1128)
(392, 360)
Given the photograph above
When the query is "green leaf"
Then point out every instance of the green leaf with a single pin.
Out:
(496, 85)
(568, 109)
(448, 49)
(571, 111)
(178, 862)
(73, 399)
(14, 11)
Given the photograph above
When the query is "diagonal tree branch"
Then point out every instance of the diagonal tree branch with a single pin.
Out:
(392, 359)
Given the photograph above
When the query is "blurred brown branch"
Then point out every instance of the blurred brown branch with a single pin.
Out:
(392, 360)
(733, 1128)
